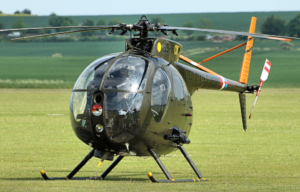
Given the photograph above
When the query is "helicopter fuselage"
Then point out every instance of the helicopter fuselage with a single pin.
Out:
(132, 99)
(126, 103)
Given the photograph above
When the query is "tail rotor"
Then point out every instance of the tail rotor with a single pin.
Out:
(263, 78)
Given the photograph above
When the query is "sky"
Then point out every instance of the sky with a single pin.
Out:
(129, 7)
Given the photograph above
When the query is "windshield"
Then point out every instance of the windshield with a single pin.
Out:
(122, 115)
(91, 77)
(128, 73)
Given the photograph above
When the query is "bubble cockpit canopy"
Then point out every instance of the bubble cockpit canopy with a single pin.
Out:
(121, 81)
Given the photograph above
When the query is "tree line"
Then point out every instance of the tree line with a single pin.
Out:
(277, 26)
(271, 25)
(25, 11)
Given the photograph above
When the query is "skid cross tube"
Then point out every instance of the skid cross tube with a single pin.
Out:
(186, 155)
(108, 170)
(162, 167)
(74, 171)
(80, 165)
(170, 180)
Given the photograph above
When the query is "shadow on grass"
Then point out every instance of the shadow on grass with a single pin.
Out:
(122, 176)
(21, 179)
(112, 178)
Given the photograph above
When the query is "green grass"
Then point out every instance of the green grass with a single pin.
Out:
(35, 134)
(41, 72)
(71, 49)
(31, 65)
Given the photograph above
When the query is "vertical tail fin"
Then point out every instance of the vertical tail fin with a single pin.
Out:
(245, 71)
(242, 97)
(247, 56)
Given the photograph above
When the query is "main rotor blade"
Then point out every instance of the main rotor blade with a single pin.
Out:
(59, 33)
(265, 36)
(62, 27)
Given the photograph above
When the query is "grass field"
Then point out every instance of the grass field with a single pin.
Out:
(31, 65)
(35, 134)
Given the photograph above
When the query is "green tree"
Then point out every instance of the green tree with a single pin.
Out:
(293, 27)
(1, 12)
(42, 31)
(88, 22)
(205, 23)
(102, 22)
(286, 45)
(2, 26)
(241, 38)
(17, 12)
(156, 20)
(19, 23)
(26, 11)
(189, 24)
(57, 21)
(115, 22)
(273, 25)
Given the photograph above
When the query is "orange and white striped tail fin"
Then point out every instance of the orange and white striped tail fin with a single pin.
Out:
(247, 56)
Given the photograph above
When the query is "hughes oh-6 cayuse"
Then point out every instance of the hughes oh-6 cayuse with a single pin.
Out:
(138, 103)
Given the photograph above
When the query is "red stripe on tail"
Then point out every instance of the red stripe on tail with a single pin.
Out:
(266, 68)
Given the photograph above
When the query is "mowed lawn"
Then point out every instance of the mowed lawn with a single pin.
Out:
(35, 134)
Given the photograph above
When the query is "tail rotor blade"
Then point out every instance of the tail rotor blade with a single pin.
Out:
(253, 105)
(266, 70)
(263, 78)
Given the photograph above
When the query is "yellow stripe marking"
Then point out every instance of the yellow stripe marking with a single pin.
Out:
(99, 164)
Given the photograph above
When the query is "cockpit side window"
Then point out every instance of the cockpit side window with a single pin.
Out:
(178, 88)
(127, 73)
(161, 87)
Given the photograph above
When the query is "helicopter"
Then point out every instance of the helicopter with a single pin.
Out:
(138, 103)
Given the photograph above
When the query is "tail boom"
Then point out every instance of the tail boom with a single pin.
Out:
(196, 79)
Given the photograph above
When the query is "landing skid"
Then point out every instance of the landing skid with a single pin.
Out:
(165, 171)
(115, 163)
(80, 165)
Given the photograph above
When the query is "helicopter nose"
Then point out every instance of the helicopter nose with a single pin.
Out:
(97, 113)
(122, 115)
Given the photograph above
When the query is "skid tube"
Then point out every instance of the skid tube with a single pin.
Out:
(165, 171)
(80, 165)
